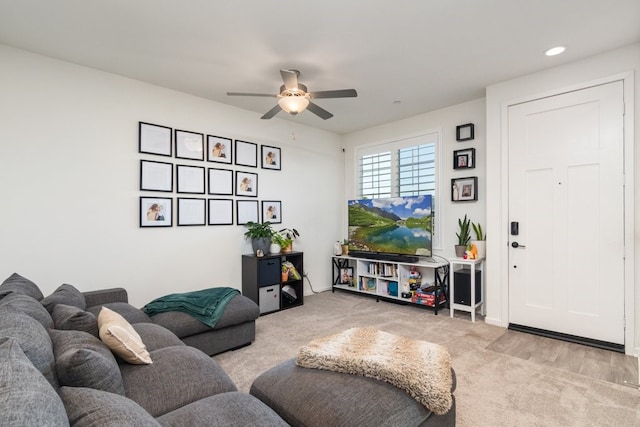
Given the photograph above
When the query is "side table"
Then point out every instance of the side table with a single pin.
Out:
(472, 264)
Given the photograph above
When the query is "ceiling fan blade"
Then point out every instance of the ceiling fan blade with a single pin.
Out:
(342, 93)
(290, 79)
(251, 94)
(275, 110)
(319, 111)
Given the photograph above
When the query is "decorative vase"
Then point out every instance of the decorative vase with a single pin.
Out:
(337, 249)
(288, 248)
(481, 246)
(262, 244)
(285, 276)
(345, 249)
(275, 248)
(460, 250)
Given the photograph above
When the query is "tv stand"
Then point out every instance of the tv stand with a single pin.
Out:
(384, 277)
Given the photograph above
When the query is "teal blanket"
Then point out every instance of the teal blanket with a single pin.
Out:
(206, 305)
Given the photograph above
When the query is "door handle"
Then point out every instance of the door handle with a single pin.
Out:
(517, 245)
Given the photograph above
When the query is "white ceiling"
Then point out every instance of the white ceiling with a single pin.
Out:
(427, 54)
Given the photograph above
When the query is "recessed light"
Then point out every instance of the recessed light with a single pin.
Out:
(555, 51)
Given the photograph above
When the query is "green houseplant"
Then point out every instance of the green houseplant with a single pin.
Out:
(480, 242)
(464, 236)
(290, 235)
(260, 235)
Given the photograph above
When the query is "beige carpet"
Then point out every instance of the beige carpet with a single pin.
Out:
(494, 389)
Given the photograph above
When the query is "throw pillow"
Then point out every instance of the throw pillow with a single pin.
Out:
(121, 338)
(65, 294)
(22, 303)
(27, 399)
(88, 407)
(82, 360)
(68, 317)
(21, 285)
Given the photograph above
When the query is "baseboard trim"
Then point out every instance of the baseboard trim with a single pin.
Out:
(619, 348)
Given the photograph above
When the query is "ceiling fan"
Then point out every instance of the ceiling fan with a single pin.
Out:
(294, 98)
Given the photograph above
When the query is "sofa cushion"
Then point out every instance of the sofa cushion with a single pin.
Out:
(17, 283)
(121, 338)
(130, 313)
(23, 303)
(89, 407)
(180, 375)
(26, 398)
(70, 318)
(33, 339)
(225, 409)
(65, 294)
(240, 309)
(82, 360)
(155, 336)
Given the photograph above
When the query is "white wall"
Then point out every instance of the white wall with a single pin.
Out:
(444, 121)
(623, 61)
(69, 179)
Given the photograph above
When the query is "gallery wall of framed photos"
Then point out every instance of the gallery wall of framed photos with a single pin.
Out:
(464, 189)
(202, 179)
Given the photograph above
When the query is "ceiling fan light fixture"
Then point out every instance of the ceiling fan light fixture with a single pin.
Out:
(293, 104)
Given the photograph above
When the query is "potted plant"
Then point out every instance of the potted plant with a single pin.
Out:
(260, 235)
(291, 234)
(480, 242)
(278, 241)
(345, 247)
(464, 236)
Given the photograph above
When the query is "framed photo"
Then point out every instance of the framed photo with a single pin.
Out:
(246, 211)
(272, 211)
(190, 179)
(221, 181)
(156, 176)
(219, 149)
(220, 212)
(154, 139)
(189, 145)
(246, 184)
(156, 212)
(464, 159)
(191, 211)
(464, 189)
(270, 157)
(464, 132)
(246, 154)
(346, 276)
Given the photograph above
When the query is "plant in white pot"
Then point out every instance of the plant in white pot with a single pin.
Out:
(480, 242)
(464, 236)
(260, 235)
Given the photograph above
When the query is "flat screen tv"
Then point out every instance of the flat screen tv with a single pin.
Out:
(400, 226)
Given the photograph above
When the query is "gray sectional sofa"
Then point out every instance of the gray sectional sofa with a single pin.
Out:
(56, 371)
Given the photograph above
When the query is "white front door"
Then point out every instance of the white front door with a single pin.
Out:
(566, 196)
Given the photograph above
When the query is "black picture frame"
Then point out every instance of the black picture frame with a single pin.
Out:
(191, 211)
(156, 176)
(246, 154)
(189, 145)
(220, 182)
(246, 211)
(465, 132)
(346, 276)
(154, 139)
(272, 211)
(190, 179)
(270, 157)
(464, 159)
(246, 184)
(219, 149)
(220, 212)
(464, 189)
(156, 212)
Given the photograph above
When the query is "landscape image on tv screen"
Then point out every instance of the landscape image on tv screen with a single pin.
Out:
(393, 225)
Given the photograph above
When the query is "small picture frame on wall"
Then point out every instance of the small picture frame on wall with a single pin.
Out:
(464, 132)
(154, 139)
(270, 157)
(272, 211)
(219, 149)
(156, 176)
(189, 145)
(221, 181)
(464, 159)
(246, 211)
(191, 211)
(156, 212)
(220, 212)
(246, 154)
(190, 179)
(464, 189)
(246, 184)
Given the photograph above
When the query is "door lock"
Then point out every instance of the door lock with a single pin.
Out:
(517, 245)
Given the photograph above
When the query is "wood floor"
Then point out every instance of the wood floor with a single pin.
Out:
(592, 362)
